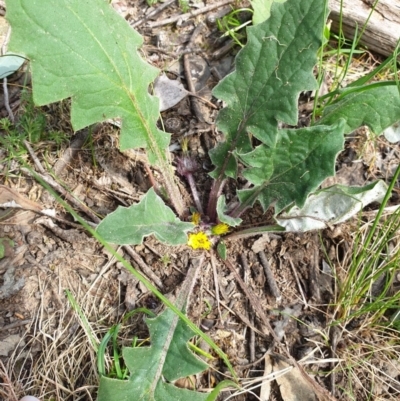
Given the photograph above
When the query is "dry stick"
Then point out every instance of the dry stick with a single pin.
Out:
(249, 365)
(334, 337)
(6, 40)
(195, 193)
(56, 186)
(315, 273)
(195, 105)
(212, 105)
(153, 182)
(152, 13)
(143, 266)
(188, 75)
(252, 341)
(66, 235)
(242, 317)
(46, 212)
(245, 266)
(270, 277)
(5, 87)
(74, 147)
(6, 101)
(252, 299)
(76, 202)
(103, 271)
(320, 391)
(15, 324)
(34, 157)
(190, 14)
(216, 285)
(296, 276)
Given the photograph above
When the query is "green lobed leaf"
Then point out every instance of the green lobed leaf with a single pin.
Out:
(129, 225)
(378, 107)
(262, 9)
(223, 217)
(271, 70)
(294, 167)
(86, 51)
(145, 363)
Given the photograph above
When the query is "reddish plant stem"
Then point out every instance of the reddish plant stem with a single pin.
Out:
(218, 185)
(195, 193)
(151, 178)
(216, 191)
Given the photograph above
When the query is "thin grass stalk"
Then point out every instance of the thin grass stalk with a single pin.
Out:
(341, 38)
(366, 23)
(378, 216)
(365, 268)
(85, 323)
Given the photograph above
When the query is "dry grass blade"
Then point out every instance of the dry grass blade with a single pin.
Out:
(57, 360)
(365, 313)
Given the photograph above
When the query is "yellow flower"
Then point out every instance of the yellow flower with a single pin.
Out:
(199, 241)
(220, 229)
(196, 218)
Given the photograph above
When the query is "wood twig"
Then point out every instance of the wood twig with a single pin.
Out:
(216, 284)
(315, 273)
(321, 393)
(76, 202)
(255, 303)
(13, 325)
(5, 86)
(189, 79)
(245, 266)
(103, 271)
(240, 315)
(70, 153)
(143, 266)
(296, 277)
(152, 13)
(7, 102)
(334, 337)
(35, 159)
(270, 277)
(190, 14)
(252, 341)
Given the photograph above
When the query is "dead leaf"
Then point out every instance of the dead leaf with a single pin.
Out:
(292, 385)
(265, 390)
(11, 198)
(169, 91)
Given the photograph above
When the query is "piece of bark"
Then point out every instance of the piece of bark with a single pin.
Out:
(383, 29)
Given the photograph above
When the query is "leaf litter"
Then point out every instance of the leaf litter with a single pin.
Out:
(55, 264)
